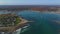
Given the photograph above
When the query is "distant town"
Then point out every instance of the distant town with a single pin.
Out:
(30, 7)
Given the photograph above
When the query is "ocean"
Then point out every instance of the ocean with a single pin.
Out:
(39, 17)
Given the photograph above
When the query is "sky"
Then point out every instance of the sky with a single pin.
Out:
(29, 2)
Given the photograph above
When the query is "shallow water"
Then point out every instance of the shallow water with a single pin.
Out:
(46, 18)
(37, 16)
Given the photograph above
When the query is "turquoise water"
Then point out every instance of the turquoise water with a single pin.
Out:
(44, 23)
